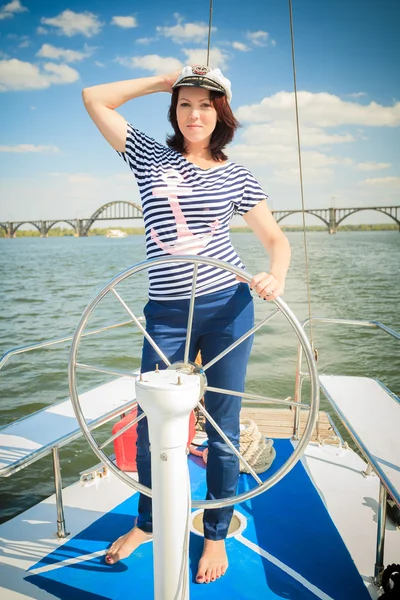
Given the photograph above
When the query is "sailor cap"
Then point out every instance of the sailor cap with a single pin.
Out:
(204, 77)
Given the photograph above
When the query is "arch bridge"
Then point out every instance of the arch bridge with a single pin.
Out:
(117, 210)
(121, 209)
(333, 217)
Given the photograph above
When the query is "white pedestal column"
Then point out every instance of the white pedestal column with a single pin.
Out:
(168, 402)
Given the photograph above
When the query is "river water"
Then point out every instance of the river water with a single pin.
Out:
(47, 283)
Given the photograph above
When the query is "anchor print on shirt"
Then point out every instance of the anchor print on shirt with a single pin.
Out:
(186, 241)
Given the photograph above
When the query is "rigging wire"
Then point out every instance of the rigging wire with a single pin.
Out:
(300, 171)
(298, 150)
(209, 33)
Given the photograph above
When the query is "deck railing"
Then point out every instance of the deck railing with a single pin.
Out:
(54, 448)
(302, 376)
(21, 349)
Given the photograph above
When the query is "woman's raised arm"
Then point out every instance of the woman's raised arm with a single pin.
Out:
(102, 100)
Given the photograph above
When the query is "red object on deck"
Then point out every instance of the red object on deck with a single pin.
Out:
(192, 428)
(125, 444)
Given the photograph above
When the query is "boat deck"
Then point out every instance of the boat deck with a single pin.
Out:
(303, 538)
(313, 535)
(277, 423)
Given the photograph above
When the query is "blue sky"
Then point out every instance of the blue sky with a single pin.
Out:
(55, 164)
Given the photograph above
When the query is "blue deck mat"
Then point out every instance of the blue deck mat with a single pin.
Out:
(289, 522)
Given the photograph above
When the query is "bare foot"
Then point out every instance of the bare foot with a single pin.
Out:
(213, 562)
(126, 544)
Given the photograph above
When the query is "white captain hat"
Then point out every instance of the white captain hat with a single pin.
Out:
(204, 77)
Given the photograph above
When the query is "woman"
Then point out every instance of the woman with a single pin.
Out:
(189, 193)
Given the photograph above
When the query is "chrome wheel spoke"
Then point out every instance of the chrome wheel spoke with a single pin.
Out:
(227, 441)
(241, 339)
(108, 371)
(87, 428)
(121, 431)
(142, 329)
(190, 316)
(259, 399)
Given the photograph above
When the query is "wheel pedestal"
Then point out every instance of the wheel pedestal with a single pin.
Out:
(167, 398)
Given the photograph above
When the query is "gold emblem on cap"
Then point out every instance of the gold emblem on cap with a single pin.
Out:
(200, 70)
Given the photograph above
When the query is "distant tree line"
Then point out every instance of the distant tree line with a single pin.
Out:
(61, 232)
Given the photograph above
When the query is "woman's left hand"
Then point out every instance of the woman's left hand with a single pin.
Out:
(266, 285)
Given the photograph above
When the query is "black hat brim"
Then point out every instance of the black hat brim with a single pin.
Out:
(201, 82)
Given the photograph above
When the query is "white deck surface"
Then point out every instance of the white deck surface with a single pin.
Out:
(374, 415)
(351, 499)
(352, 502)
(28, 436)
(27, 538)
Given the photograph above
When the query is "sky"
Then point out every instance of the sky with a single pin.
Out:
(54, 164)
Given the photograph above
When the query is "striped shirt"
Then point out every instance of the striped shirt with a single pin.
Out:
(187, 211)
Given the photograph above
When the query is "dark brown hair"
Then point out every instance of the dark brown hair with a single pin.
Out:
(222, 134)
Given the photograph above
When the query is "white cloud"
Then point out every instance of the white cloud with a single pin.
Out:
(372, 166)
(385, 181)
(240, 46)
(284, 133)
(9, 10)
(275, 144)
(271, 152)
(61, 73)
(260, 38)
(23, 148)
(124, 22)
(23, 40)
(145, 40)
(198, 56)
(99, 64)
(268, 143)
(357, 94)
(310, 175)
(184, 32)
(18, 75)
(81, 193)
(41, 30)
(70, 23)
(321, 110)
(49, 51)
(159, 65)
(85, 178)
(89, 178)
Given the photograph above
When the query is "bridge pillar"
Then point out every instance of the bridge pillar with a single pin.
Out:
(43, 229)
(332, 220)
(10, 230)
(79, 228)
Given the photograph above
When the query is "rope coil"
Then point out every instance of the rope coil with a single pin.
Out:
(256, 450)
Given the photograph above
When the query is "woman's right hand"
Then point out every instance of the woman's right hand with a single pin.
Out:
(170, 79)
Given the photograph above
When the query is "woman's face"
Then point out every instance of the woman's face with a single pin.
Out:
(195, 114)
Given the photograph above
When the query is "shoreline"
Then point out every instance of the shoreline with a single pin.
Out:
(64, 232)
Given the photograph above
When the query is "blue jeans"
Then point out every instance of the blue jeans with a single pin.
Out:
(219, 319)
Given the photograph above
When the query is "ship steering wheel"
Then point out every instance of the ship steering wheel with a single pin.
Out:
(185, 365)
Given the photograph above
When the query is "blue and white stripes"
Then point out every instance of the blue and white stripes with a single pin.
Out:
(187, 210)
